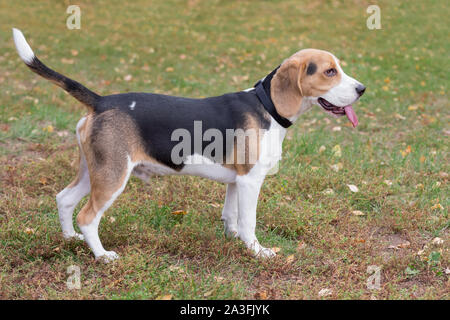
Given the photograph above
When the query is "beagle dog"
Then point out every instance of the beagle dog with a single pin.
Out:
(140, 134)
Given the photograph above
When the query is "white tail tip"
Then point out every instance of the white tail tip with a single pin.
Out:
(22, 46)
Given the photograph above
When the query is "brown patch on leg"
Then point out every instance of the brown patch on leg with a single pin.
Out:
(250, 147)
(101, 193)
(108, 140)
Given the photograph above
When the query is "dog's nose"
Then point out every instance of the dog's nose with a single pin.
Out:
(360, 89)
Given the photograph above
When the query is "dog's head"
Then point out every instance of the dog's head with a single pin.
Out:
(314, 76)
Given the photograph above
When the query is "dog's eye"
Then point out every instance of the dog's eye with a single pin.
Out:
(330, 72)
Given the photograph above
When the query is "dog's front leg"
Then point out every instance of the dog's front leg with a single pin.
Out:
(248, 187)
(230, 211)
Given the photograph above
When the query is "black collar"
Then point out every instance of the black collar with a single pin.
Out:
(262, 89)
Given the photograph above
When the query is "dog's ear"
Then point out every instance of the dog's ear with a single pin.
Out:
(286, 88)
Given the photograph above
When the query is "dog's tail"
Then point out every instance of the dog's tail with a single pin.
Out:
(77, 90)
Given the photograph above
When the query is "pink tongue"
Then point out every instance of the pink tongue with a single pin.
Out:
(351, 115)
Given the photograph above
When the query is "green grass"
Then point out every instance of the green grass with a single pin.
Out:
(216, 47)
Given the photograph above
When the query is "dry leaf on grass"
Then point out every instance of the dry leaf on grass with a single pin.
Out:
(328, 191)
(337, 152)
(336, 167)
(208, 293)
(353, 188)
(301, 245)
(402, 245)
(262, 295)
(325, 292)
(437, 241)
(179, 212)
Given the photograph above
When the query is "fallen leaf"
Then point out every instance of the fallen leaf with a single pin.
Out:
(328, 191)
(67, 61)
(399, 116)
(62, 133)
(290, 258)
(176, 269)
(337, 128)
(325, 292)
(179, 212)
(336, 167)
(405, 244)
(208, 293)
(337, 152)
(402, 245)
(437, 241)
(49, 128)
(301, 245)
(407, 151)
(443, 174)
(262, 295)
(353, 188)
(437, 206)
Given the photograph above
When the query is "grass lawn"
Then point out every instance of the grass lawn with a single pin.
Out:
(327, 236)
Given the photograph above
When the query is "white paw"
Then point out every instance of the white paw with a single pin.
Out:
(73, 236)
(108, 257)
(261, 252)
(265, 253)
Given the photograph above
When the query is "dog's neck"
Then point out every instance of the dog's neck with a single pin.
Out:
(306, 103)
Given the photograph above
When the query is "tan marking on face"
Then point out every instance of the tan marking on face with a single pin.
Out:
(291, 83)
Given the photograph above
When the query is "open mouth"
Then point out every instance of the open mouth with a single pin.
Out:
(339, 111)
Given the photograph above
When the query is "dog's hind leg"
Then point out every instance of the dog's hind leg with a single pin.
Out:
(106, 186)
(68, 198)
(230, 211)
